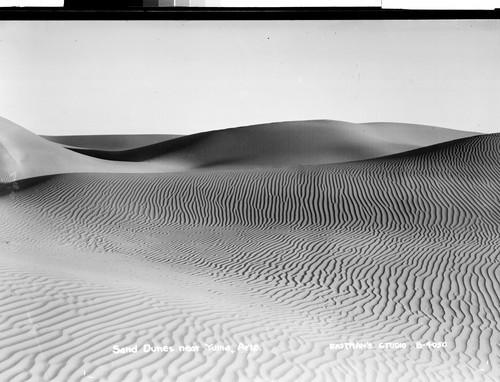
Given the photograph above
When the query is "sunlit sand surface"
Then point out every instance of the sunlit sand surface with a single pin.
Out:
(304, 271)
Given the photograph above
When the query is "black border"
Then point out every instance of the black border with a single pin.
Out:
(184, 13)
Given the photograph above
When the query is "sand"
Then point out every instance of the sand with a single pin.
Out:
(25, 155)
(114, 142)
(281, 144)
(306, 266)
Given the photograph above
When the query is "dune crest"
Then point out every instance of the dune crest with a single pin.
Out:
(282, 144)
(25, 155)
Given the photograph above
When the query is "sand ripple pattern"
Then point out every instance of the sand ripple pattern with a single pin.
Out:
(404, 248)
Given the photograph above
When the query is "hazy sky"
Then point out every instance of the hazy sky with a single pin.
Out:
(68, 77)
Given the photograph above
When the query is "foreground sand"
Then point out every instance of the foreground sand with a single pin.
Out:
(296, 261)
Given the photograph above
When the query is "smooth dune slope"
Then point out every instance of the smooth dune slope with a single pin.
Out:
(25, 155)
(401, 249)
(108, 142)
(281, 144)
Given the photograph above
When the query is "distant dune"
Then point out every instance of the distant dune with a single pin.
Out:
(25, 155)
(333, 272)
(273, 145)
(109, 142)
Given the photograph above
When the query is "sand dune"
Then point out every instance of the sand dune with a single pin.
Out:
(25, 155)
(400, 249)
(274, 144)
(109, 142)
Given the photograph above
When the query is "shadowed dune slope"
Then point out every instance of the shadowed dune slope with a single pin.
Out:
(400, 249)
(284, 144)
(108, 142)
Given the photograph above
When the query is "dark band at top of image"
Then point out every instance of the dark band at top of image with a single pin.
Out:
(181, 3)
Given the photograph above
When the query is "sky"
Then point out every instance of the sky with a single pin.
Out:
(183, 77)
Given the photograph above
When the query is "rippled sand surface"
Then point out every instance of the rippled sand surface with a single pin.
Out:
(293, 274)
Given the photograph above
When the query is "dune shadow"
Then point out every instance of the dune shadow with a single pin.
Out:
(18, 185)
(144, 153)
